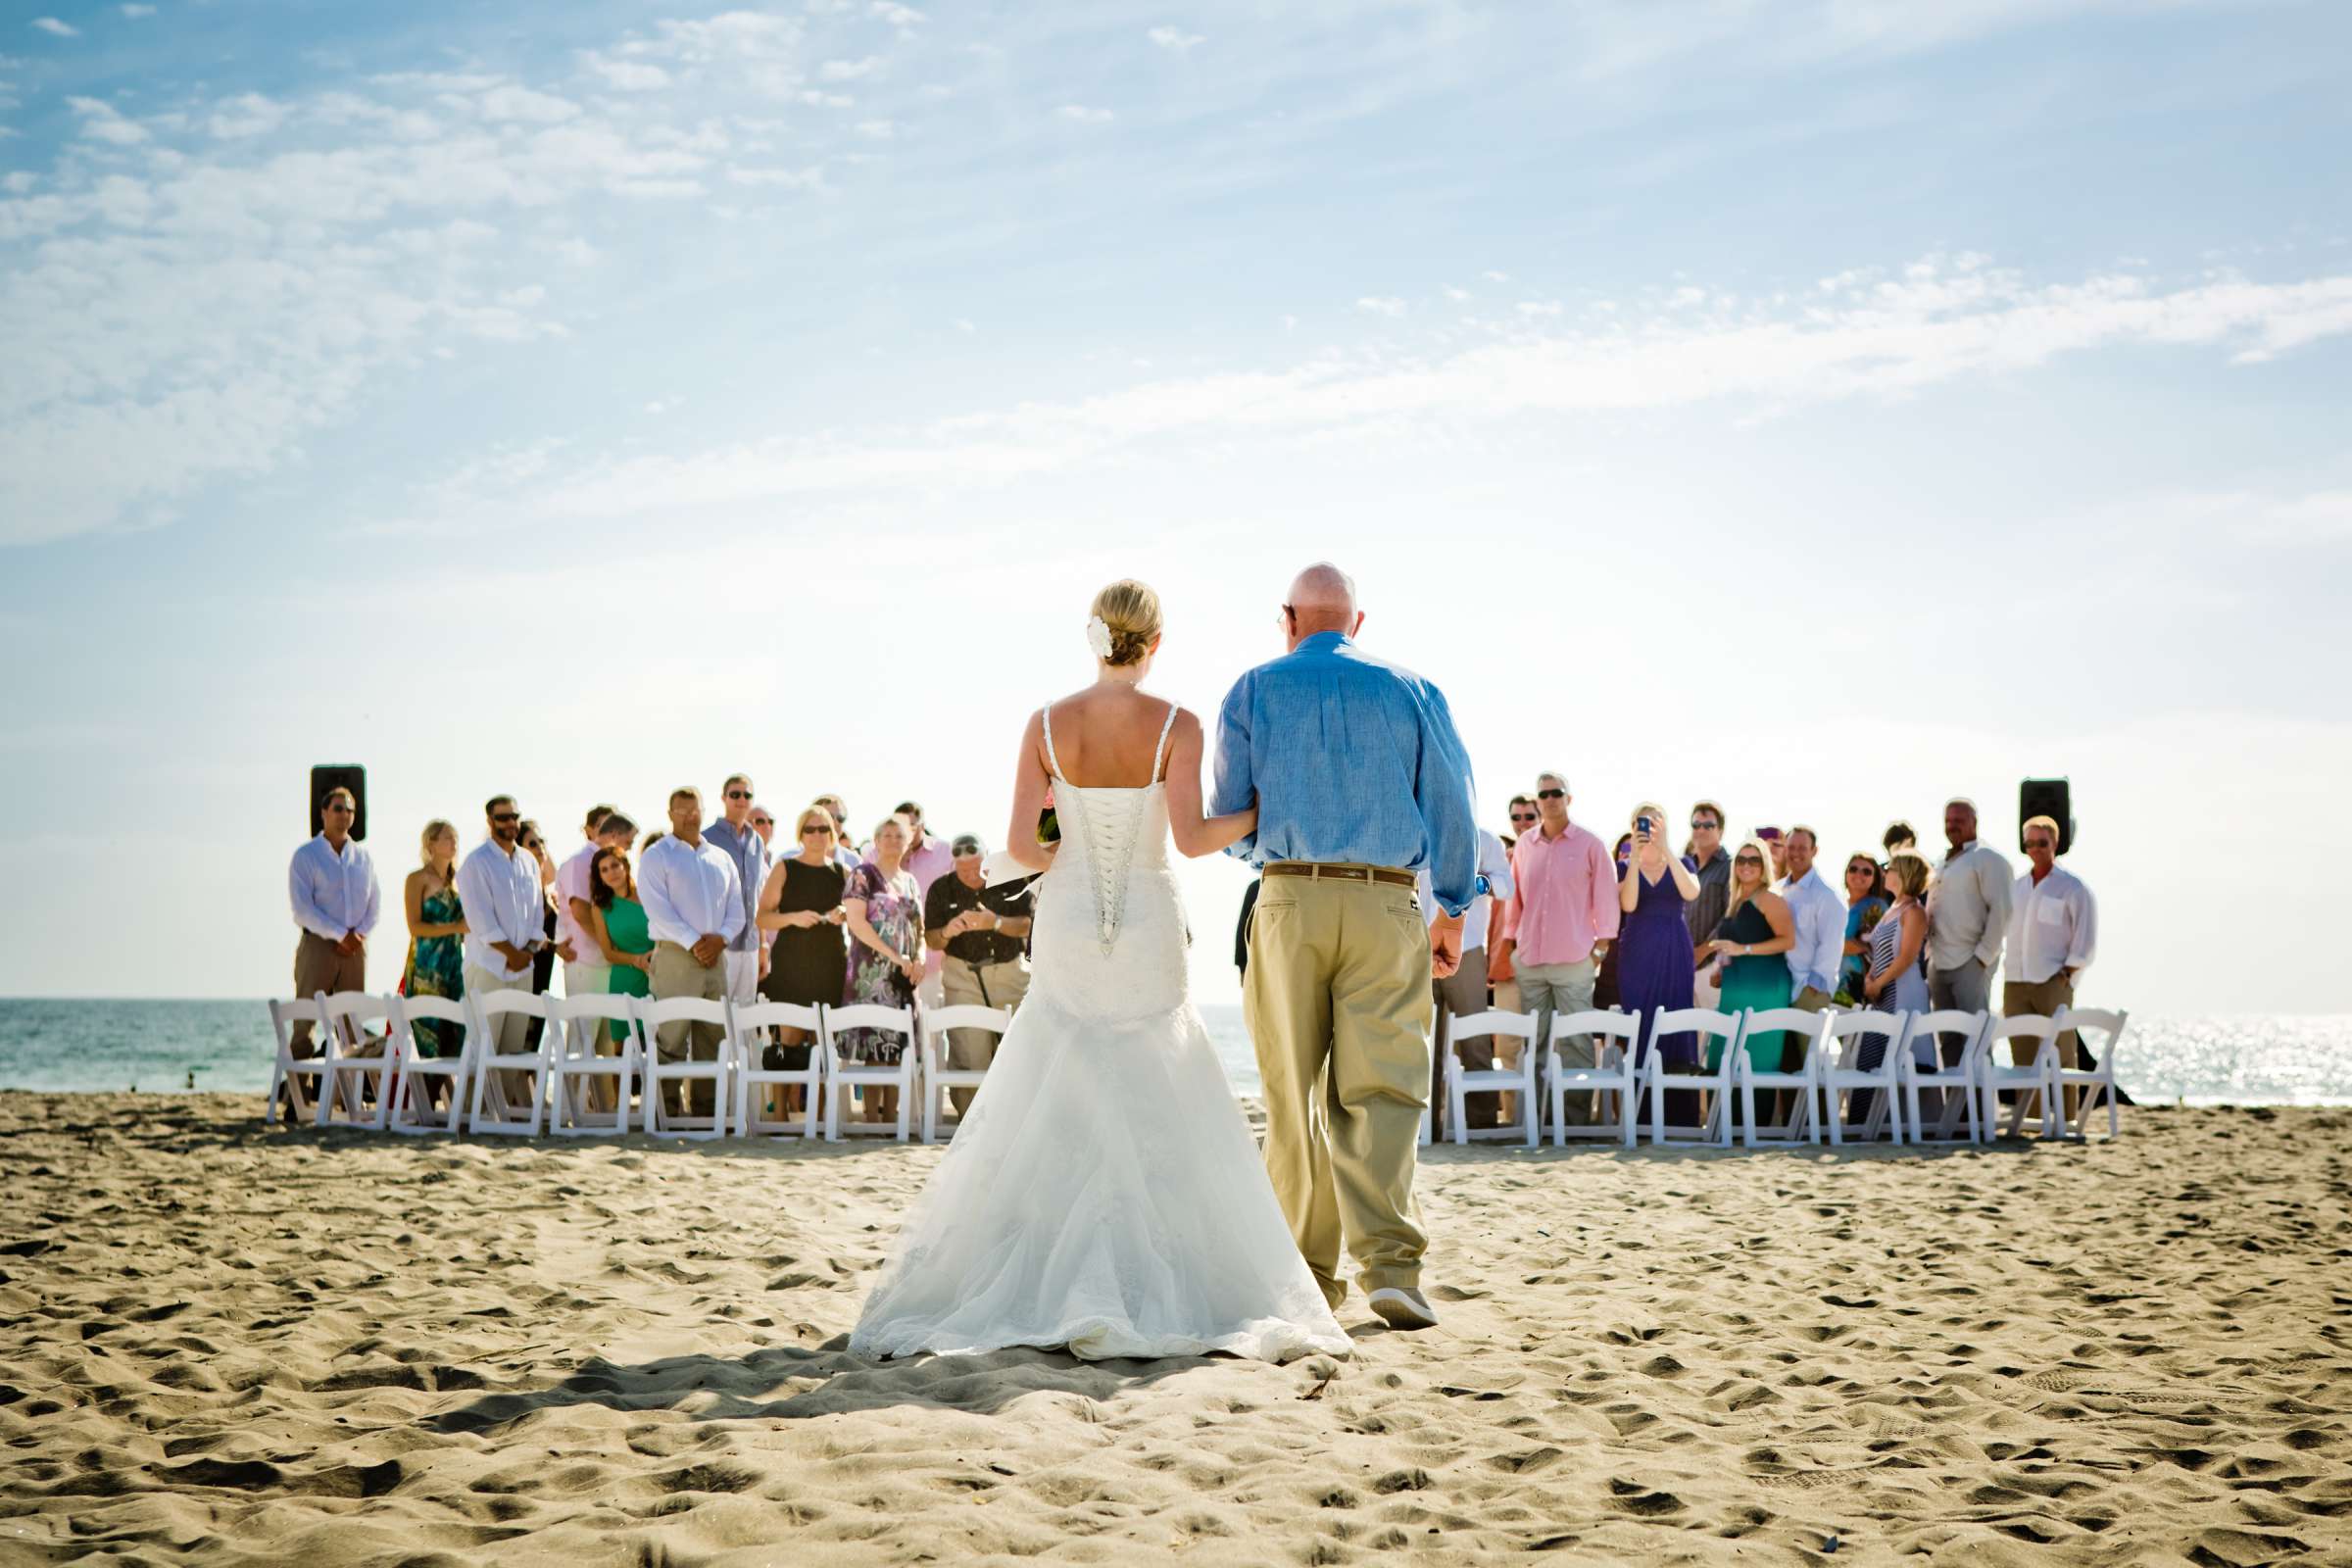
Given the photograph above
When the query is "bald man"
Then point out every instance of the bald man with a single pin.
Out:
(1361, 783)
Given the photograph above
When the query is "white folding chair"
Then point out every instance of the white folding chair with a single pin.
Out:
(747, 1020)
(719, 1072)
(358, 1085)
(2099, 1081)
(1429, 1113)
(1617, 1037)
(576, 1067)
(1955, 1080)
(938, 1077)
(299, 1079)
(1997, 1074)
(1805, 1082)
(1843, 1073)
(502, 1101)
(1462, 1082)
(843, 1076)
(412, 1110)
(1708, 1025)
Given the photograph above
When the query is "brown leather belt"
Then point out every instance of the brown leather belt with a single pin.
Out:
(1343, 873)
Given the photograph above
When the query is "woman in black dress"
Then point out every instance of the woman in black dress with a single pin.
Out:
(802, 904)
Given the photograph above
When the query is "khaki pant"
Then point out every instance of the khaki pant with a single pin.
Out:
(318, 967)
(2020, 999)
(507, 1033)
(1550, 987)
(1337, 1002)
(676, 974)
(1460, 994)
(963, 984)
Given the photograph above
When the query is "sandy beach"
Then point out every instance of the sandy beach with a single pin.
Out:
(228, 1346)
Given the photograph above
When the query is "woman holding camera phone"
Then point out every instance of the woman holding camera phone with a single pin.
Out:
(1655, 959)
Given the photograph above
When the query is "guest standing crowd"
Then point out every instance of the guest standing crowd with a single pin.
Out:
(1560, 924)
(1574, 927)
(712, 910)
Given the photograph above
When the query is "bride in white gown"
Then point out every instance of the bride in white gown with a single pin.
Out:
(1103, 1191)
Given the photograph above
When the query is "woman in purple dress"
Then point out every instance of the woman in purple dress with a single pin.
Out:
(1654, 956)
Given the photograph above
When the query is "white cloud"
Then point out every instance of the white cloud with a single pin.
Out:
(1539, 307)
(1495, 277)
(1865, 348)
(811, 178)
(246, 115)
(100, 123)
(1172, 40)
(1457, 295)
(626, 75)
(56, 29)
(509, 102)
(848, 69)
(135, 12)
(897, 16)
(876, 129)
(1084, 114)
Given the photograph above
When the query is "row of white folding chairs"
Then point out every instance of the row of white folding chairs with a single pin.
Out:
(568, 1087)
(1959, 1070)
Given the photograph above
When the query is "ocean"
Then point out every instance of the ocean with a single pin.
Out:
(173, 1047)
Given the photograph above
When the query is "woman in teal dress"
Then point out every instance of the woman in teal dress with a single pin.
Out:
(1754, 942)
(436, 963)
(620, 930)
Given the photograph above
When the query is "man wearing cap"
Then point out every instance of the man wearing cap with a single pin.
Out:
(982, 933)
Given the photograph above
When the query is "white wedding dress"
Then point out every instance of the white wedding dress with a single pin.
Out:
(1103, 1191)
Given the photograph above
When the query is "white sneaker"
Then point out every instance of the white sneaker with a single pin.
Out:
(1401, 1307)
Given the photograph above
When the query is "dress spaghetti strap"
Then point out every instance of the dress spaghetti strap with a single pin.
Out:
(1159, 751)
(1052, 762)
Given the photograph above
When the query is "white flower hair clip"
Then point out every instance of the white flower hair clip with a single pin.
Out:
(1098, 636)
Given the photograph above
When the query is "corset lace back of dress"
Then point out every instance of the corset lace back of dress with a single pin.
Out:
(1110, 826)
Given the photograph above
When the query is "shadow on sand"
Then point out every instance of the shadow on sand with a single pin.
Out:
(786, 1383)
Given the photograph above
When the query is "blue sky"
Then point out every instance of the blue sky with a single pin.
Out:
(1825, 406)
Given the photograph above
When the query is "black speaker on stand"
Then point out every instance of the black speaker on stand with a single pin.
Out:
(325, 777)
(2050, 797)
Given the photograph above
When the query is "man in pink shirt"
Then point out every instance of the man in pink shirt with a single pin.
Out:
(585, 973)
(1559, 922)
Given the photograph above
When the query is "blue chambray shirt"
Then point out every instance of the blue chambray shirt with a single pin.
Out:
(1351, 758)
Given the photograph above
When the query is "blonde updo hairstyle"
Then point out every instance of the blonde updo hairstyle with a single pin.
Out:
(1131, 610)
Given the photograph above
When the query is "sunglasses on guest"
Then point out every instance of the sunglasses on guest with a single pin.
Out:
(1549, 794)
(807, 828)
(738, 795)
(506, 817)
(1523, 816)
(1747, 859)
(1862, 868)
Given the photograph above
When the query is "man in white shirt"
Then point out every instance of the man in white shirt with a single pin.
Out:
(1968, 917)
(2053, 934)
(498, 885)
(585, 973)
(746, 958)
(694, 908)
(1464, 992)
(1819, 914)
(331, 883)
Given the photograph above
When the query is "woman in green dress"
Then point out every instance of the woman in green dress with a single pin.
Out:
(620, 930)
(1753, 940)
(436, 963)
